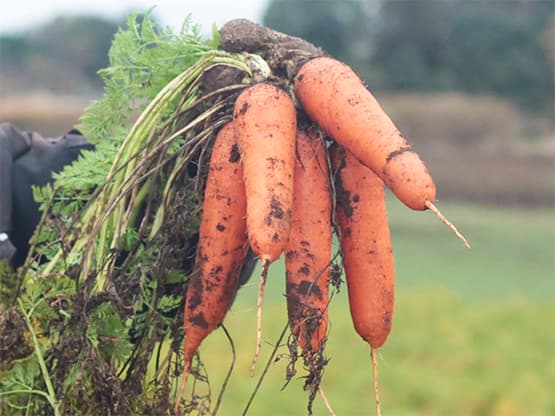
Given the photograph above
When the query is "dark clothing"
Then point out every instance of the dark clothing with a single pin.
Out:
(28, 159)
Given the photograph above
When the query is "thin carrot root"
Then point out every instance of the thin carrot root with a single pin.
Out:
(261, 287)
(438, 214)
(376, 384)
(186, 371)
(325, 400)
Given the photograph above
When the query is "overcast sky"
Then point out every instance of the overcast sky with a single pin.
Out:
(22, 15)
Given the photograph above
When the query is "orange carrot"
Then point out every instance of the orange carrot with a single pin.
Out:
(335, 97)
(367, 252)
(266, 125)
(308, 251)
(366, 246)
(221, 249)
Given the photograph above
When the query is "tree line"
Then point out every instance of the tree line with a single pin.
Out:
(498, 47)
(63, 55)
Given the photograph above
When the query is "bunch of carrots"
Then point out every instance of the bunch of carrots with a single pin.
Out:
(282, 185)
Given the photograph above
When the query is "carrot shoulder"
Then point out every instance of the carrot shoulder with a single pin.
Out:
(366, 246)
(308, 252)
(222, 246)
(336, 98)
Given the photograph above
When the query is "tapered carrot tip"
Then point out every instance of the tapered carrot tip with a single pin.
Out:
(325, 400)
(376, 384)
(186, 372)
(438, 214)
(261, 287)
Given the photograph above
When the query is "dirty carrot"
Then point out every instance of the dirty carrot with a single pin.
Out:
(308, 252)
(266, 125)
(308, 256)
(337, 99)
(221, 249)
(366, 245)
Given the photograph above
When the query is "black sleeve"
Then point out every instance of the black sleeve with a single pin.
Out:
(13, 143)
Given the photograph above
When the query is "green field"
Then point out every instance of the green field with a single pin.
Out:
(474, 330)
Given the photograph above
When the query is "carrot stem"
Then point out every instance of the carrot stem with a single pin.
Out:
(376, 384)
(261, 287)
(438, 214)
(325, 400)
(186, 371)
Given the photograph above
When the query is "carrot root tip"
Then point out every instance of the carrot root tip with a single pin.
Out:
(186, 371)
(376, 383)
(438, 214)
(261, 287)
(325, 400)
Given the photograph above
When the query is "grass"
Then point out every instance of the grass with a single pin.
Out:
(473, 329)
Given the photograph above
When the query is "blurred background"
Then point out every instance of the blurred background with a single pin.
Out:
(471, 85)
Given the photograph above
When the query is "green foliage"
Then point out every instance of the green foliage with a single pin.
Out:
(143, 58)
(108, 333)
(83, 307)
(16, 383)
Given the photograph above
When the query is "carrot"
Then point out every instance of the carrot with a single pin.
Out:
(265, 126)
(308, 251)
(308, 256)
(366, 245)
(221, 249)
(336, 98)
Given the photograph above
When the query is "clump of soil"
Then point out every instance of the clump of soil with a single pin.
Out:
(285, 54)
(15, 339)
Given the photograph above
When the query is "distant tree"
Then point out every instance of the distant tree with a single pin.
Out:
(14, 50)
(548, 41)
(82, 42)
(63, 55)
(493, 46)
(409, 45)
(500, 51)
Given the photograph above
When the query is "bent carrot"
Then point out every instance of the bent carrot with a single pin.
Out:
(336, 98)
(367, 252)
(221, 249)
(308, 252)
(266, 125)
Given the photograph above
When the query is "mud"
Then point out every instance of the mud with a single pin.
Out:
(285, 54)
